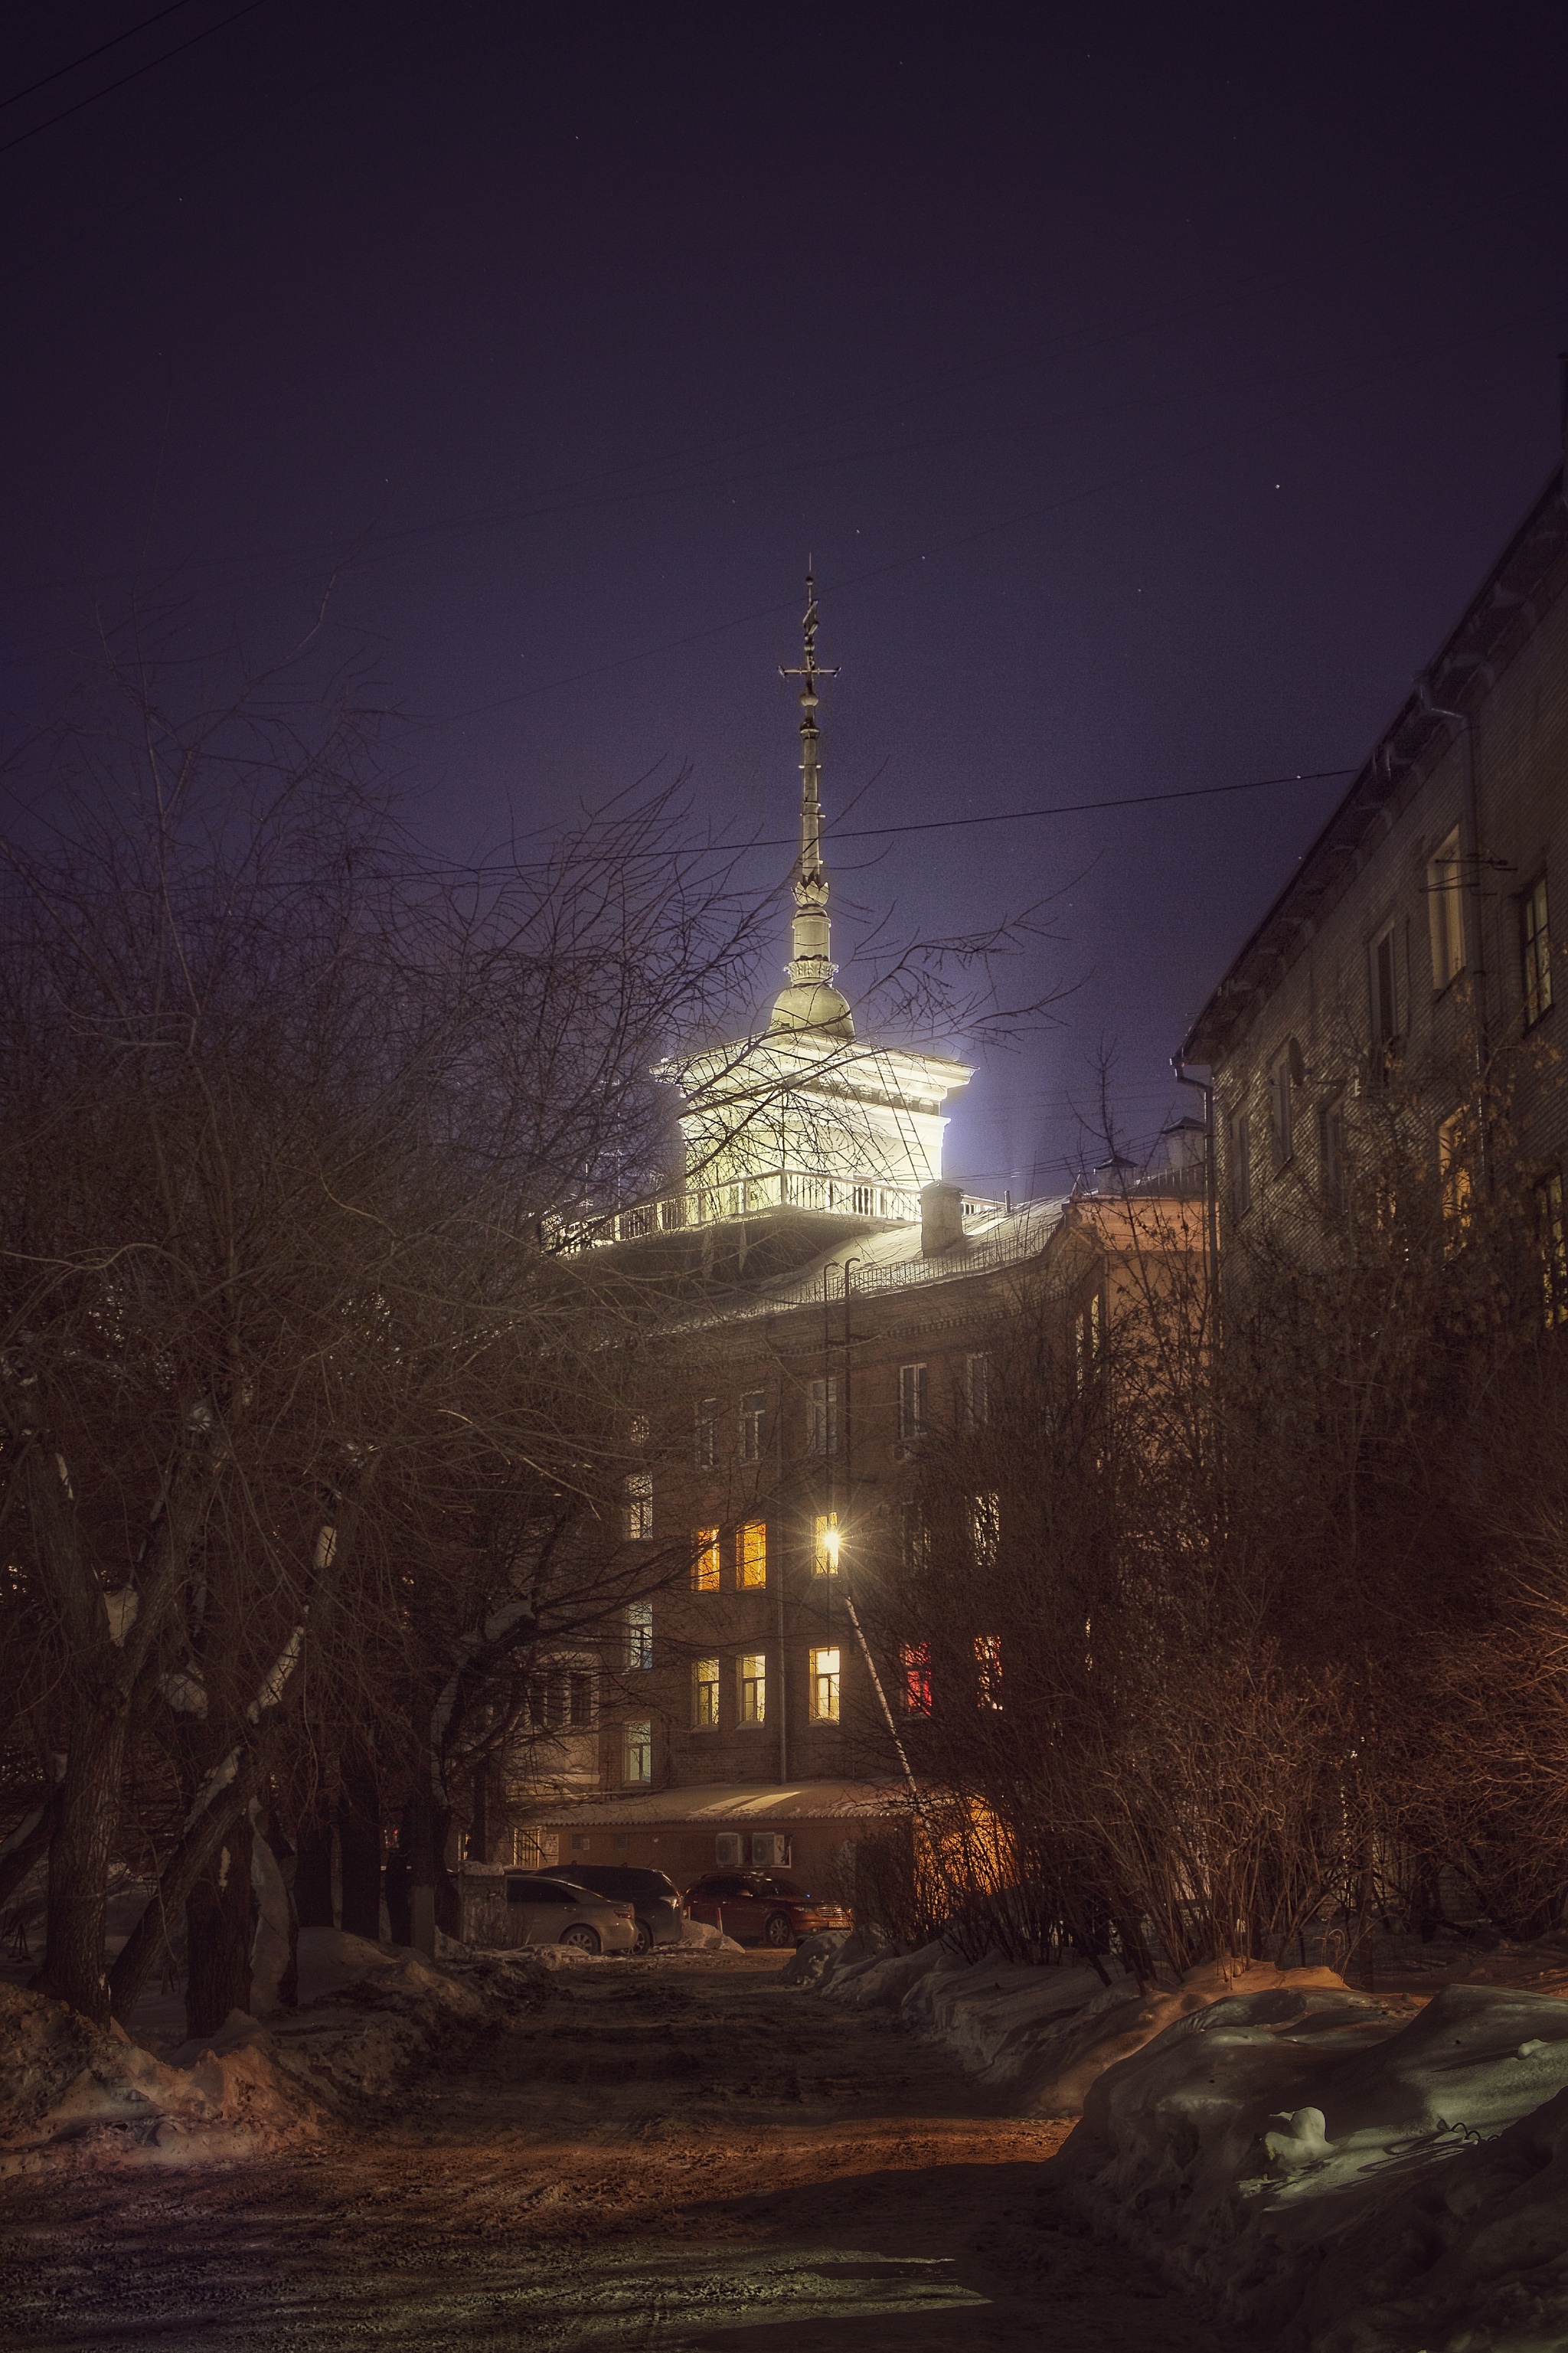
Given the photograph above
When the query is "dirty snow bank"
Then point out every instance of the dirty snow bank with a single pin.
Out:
(1343, 2182)
(370, 2017)
(1043, 2035)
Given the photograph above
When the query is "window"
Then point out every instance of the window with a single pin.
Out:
(637, 1752)
(1284, 1071)
(977, 1391)
(752, 1554)
(1551, 1236)
(1535, 943)
(1446, 910)
(705, 1576)
(988, 1671)
(1238, 1157)
(583, 1702)
(825, 1546)
(1331, 1153)
(705, 1694)
(1088, 1338)
(914, 1539)
(753, 1682)
(754, 1422)
(914, 1391)
(914, 1677)
(985, 1528)
(1454, 1175)
(1383, 977)
(824, 1686)
(705, 1445)
(639, 1429)
(822, 1418)
(640, 1636)
(637, 1512)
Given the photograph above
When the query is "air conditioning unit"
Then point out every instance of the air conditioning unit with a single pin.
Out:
(769, 1852)
(729, 1850)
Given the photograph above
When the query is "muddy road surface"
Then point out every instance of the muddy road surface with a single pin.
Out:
(665, 2153)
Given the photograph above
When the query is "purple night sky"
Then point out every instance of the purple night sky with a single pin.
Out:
(1151, 386)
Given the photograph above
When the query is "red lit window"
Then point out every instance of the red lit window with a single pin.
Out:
(914, 1664)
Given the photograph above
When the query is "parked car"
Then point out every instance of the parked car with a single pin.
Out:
(552, 1912)
(654, 1898)
(766, 1907)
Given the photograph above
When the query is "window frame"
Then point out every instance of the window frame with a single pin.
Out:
(1446, 910)
(914, 1402)
(825, 1554)
(823, 1680)
(977, 1379)
(753, 1424)
(639, 1638)
(705, 1694)
(752, 1690)
(752, 1554)
(1382, 955)
(1535, 950)
(705, 1435)
(707, 1560)
(1552, 1240)
(914, 1678)
(822, 1417)
(636, 1743)
(637, 1508)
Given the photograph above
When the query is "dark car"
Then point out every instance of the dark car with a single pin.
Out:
(657, 1901)
(764, 1907)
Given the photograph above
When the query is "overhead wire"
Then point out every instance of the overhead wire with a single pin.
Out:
(136, 74)
(88, 56)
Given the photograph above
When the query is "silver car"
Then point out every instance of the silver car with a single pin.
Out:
(542, 1911)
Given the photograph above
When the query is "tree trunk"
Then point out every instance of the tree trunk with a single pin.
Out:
(197, 1852)
(358, 1835)
(79, 1852)
(219, 1932)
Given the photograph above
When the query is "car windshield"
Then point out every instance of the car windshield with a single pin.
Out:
(779, 1883)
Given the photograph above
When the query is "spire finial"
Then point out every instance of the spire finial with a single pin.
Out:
(810, 965)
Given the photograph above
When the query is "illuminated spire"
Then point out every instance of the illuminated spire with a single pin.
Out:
(811, 1001)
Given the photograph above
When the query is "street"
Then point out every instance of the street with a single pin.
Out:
(675, 2153)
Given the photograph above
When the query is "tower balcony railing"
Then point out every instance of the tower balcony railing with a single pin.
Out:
(745, 1196)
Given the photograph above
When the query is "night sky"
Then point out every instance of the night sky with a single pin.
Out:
(1152, 387)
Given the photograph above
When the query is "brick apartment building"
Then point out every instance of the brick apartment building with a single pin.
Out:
(1411, 950)
(841, 1302)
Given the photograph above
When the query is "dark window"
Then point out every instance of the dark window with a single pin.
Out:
(753, 1424)
(1551, 1235)
(914, 1396)
(1536, 943)
(537, 1890)
(1384, 975)
(1240, 1160)
(822, 1417)
(583, 1711)
(706, 1446)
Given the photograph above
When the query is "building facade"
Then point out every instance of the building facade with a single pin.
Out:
(1409, 960)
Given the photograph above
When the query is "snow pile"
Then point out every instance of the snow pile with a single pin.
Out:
(370, 2018)
(68, 2087)
(1043, 2034)
(1340, 2181)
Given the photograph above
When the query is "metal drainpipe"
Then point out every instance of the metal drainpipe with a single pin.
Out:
(1211, 1174)
(1475, 947)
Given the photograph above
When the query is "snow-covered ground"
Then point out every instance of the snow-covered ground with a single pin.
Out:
(369, 2017)
(1346, 2172)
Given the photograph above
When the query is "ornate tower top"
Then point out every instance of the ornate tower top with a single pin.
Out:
(811, 1001)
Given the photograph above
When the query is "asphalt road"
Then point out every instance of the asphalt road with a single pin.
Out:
(669, 2154)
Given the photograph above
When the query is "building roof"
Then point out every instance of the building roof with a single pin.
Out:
(757, 1802)
(1495, 624)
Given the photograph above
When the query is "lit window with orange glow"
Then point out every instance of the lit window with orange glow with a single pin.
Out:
(705, 1560)
(705, 1694)
(752, 1554)
(752, 1679)
(825, 1546)
(823, 1686)
(1454, 1175)
(988, 1670)
(914, 1673)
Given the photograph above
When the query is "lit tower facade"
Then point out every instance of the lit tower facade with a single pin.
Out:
(804, 1114)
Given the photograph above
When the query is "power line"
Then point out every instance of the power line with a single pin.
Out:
(102, 49)
(136, 71)
(1059, 808)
